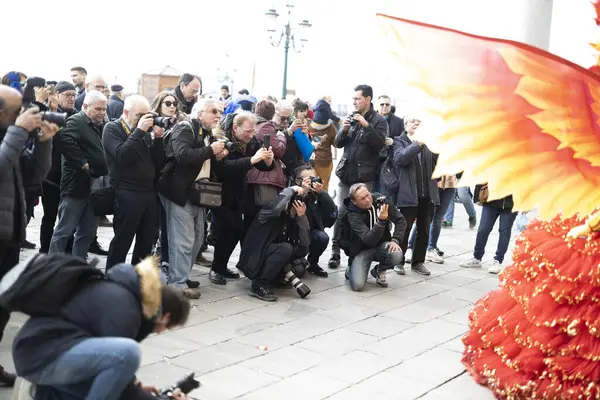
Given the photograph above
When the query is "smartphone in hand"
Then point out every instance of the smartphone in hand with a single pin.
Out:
(267, 141)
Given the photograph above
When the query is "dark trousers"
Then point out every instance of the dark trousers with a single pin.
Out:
(276, 257)
(164, 238)
(50, 202)
(489, 215)
(229, 230)
(135, 216)
(422, 213)
(9, 257)
(318, 243)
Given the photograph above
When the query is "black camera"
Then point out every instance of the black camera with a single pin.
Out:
(230, 146)
(164, 122)
(300, 286)
(316, 179)
(57, 118)
(381, 200)
(353, 122)
(305, 198)
(186, 385)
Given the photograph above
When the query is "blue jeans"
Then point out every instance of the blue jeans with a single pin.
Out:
(467, 201)
(446, 197)
(318, 243)
(74, 215)
(95, 369)
(185, 229)
(359, 269)
(489, 215)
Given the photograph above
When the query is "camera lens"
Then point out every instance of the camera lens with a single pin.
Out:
(164, 122)
(229, 146)
(59, 119)
(300, 287)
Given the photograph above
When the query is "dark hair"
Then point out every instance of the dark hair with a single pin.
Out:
(299, 106)
(244, 92)
(6, 80)
(298, 171)
(366, 90)
(79, 69)
(186, 79)
(158, 100)
(176, 304)
(271, 98)
(393, 110)
(225, 87)
(265, 109)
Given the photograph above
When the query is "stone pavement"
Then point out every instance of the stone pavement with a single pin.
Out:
(403, 342)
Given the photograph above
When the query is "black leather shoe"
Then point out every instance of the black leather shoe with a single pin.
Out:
(334, 261)
(97, 249)
(28, 245)
(420, 269)
(230, 274)
(104, 222)
(6, 378)
(217, 278)
(192, 284)
(263, 293)
(202, 261)
(318, 271)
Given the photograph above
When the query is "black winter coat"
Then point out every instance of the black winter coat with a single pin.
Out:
(115, 108)
(80, 142)
(360, 162)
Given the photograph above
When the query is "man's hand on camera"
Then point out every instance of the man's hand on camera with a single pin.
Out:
(219, 156)
(393, 247)
(361, 120)
(86, 167)
(29, 119)
(346, 125)
(218, 146)
(158, 132)
(298, 189)
(317, 187)
(389, 141)
(260, 155)
(48, 131)
(146, 122)
(300, 208)
(383, 213)
(41, 94)
(178, 395)
(149, 388)
(306, 183)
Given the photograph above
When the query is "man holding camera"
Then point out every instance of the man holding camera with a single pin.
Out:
(134, 153)
(80, 144)
(366, 237)
(16, 128)
(279, 234)
(191, 153)
(321, 214)
(362, 136)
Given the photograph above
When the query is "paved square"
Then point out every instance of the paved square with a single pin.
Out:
(402, 342)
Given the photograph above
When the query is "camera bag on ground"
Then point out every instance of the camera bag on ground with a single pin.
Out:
(41, 285)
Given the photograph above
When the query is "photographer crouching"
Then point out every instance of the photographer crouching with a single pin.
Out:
(278, 236)
(16, 128)
(365, 236)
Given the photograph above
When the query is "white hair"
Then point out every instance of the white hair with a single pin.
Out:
(201, 105)
(94, 96)
(134, 99)
(283, 105)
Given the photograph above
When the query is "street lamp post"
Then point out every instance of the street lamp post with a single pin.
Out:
(288, 37)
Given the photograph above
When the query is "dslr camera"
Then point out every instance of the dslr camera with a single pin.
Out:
(229, 145)
(381, 200)
(186, 385)
(164, 122)
(353, 122)
(316, 179)
(57, 118)
(291, 277)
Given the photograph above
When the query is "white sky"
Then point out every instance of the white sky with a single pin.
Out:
(194, 36)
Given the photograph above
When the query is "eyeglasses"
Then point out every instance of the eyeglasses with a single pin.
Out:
(170, 103)
(100, 87)
(215, 111)
(68, 95)
(385, 104)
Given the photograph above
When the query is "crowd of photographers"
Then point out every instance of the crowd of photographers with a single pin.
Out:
(185, 172)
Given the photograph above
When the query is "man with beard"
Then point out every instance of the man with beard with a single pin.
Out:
(15, 130)
(187, 91)
(51, 186)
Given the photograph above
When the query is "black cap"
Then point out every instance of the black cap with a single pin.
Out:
(63, 86)
(116, 88)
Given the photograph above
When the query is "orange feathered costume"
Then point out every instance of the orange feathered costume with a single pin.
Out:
(527, 123)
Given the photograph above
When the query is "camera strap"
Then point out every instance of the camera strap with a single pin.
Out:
(125, 127)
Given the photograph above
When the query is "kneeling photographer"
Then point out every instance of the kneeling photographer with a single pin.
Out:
(366, 237)
(321, 213)
(278, 236)
(82, 340)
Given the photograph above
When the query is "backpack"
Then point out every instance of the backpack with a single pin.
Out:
(41, 285)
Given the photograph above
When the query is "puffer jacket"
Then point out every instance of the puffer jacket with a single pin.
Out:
(275, 177)
(12, 182)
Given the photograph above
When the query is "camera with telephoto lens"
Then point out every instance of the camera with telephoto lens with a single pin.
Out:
(164, 122)
(300, 286)
(381, 200)
(186, 385)
(57, 118)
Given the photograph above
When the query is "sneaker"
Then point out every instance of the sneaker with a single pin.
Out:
(317, 270)
(263, 293)
(472, 222)
(334, 261)
(191, 294)
(446, 224)
(202, 261)
(472, 263)
(439, 252)
(28, 245)
(420, 269)
(432, 256)
(399, 269)
(408, 255)
(95, 248)
(496, 267)
(379, 276)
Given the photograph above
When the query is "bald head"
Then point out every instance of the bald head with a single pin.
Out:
(95, 82)
(10, 105)
(134, 108)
